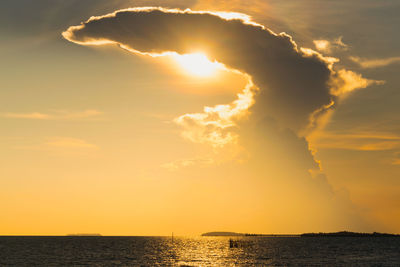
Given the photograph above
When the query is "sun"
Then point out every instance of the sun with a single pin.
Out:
(197, 64)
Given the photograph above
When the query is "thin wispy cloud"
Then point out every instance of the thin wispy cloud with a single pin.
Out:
(375, 63)
(55, 115)
(33, 115)
(359, 142)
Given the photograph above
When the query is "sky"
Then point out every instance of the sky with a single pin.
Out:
(149, 117)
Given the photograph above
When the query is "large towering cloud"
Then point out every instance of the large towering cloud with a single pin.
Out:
(289, 87)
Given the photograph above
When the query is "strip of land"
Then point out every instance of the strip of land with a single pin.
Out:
(348, 234)
(335, 234)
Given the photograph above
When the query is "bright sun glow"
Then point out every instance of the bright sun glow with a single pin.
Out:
(197, 64)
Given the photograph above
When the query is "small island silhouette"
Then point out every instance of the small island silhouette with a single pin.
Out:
(222, 234)
(85, 234)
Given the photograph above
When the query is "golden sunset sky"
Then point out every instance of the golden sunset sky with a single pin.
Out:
(149, 117)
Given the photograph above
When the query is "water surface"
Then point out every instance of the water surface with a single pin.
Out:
(201, 251)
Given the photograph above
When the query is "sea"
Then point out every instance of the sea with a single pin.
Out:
(199, 251)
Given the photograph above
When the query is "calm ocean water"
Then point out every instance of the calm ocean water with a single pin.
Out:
(202, 251)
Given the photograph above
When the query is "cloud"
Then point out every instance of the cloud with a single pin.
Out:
(347, 81)
(322, 45)
(360, 141)
(293, 82)
(329, 46)
(33, 115)
(375, 63)
(57, 115)
(215, 124)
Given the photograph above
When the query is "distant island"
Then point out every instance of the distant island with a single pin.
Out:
(222, 234)
(95, 234)
(348, 234)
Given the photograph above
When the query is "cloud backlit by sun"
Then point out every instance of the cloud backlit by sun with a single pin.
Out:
(293, 82)
(296, 85)
(215, 124)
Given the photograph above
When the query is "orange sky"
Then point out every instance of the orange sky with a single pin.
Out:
(97, 139)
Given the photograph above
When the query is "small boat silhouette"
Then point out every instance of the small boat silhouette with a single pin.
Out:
(233, 243)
